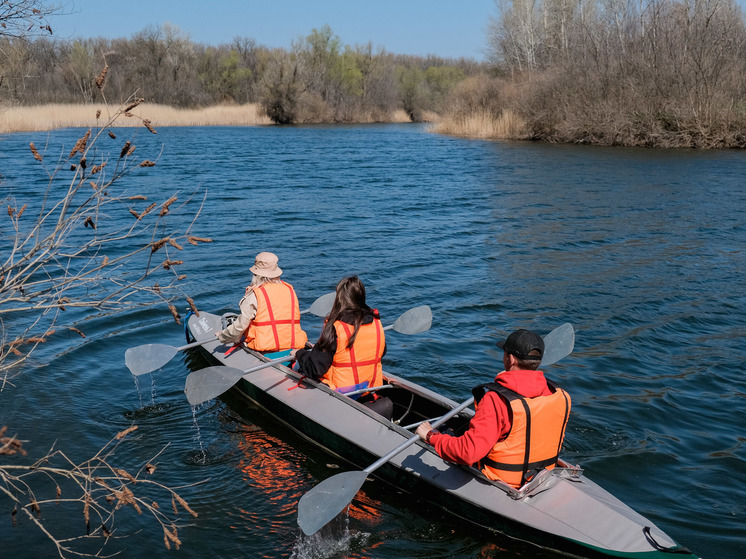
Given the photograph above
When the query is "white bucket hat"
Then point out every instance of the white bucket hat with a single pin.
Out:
(265, 265)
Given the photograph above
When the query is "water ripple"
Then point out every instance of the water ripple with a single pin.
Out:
(641, 250)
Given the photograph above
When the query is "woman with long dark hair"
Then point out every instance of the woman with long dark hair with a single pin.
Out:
(348, 354)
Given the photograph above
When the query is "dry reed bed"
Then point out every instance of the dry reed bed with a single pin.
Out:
(483, 125)
(51, 116)
(48, 117)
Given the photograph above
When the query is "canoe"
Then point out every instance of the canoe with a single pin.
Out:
(561, 509)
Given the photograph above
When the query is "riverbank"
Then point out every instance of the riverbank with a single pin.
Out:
(52, 116)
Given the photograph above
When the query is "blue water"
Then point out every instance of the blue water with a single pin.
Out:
(641, 250)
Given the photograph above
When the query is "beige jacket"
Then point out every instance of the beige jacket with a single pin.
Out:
(247, 305)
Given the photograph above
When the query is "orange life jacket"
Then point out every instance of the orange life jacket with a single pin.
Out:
(360, 363)
(276, 325)
(535, 437)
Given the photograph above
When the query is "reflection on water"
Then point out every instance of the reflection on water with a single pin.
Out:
(641, 250)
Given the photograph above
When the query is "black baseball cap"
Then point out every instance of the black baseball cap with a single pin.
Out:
(521, 343)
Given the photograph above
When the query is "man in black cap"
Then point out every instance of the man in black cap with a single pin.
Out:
(520, 418)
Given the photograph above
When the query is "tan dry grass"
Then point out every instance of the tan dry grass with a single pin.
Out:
(482, 124)
(48, 117)
(400, 116)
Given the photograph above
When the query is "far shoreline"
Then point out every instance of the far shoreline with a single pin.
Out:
(39, 118)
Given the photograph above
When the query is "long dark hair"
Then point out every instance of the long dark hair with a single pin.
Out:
(350, 299)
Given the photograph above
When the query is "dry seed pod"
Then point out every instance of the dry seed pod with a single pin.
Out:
(101, 79)
(194, 240)
(125, 149)
(37, 156)
(175, 314)
(134, 104)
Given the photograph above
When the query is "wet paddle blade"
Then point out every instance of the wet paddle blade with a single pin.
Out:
(209, 383)
(322, 305)
(558, 343)
(324, 502)
(147, 358)
(414, 321)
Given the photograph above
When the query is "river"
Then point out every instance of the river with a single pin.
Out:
(641, 250)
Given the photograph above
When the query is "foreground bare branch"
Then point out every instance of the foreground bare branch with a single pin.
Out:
(95, 488)
(86, 241)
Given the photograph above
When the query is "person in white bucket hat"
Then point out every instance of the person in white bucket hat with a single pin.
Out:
(270, 314)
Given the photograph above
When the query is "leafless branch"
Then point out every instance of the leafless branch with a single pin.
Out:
(96, 489)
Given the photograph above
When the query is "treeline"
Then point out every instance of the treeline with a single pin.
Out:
(659, 73)
(663, 73)
(318, 79)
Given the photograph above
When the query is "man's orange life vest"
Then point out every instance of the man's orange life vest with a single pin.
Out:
(276, 325)
(535, 437)
(361, 362)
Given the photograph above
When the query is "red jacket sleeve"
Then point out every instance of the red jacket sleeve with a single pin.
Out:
(486, 427)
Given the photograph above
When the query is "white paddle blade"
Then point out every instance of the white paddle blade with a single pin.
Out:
(558, 343)
(324, 502)
(414, 321)
(147, 358)
(209, 383)
(323, 305)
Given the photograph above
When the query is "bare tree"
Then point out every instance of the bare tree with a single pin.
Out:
(280, 88)
(516, 35)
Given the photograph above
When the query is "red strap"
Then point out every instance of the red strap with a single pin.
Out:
(292, 316)
(353, 362)
(379, 331)
(271, 318)
(296, 385)
(233, 348)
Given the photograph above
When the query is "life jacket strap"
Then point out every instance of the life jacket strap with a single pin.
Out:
(541, 464)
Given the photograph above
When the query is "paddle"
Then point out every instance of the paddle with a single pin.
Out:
(211, 382)
(414, 321)
(330, 497)
(150, 357)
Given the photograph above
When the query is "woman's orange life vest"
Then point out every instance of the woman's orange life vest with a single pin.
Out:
(361, 362)
(276, 325)
(535, 437)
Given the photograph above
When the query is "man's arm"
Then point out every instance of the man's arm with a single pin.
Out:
(484, 431)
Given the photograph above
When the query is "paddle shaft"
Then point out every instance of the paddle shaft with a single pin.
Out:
(196, 344)
(414, 438)
(267, 364)
(413, 425)
(364, 390)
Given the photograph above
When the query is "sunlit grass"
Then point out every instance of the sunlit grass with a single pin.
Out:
(483, 124)
(48, 117)
(51, 116)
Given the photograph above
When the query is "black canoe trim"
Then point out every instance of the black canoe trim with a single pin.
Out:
(651, 540)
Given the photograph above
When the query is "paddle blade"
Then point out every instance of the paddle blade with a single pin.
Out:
(209, 383)
(414, 321)
(147, 358)
(322, 305)
(558, 343)
(324, 502)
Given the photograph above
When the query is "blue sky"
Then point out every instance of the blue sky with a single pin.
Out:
(447, 28)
